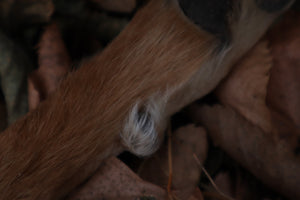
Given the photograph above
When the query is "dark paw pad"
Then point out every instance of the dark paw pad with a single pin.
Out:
(210, 15)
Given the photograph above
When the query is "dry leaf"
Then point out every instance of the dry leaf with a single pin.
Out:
(245, 89)
(246, 188)
(115, 181)
(54, 64)
(270, 159)
(122, 6)
(243, 134)
(284, 86)
(225, 183)
(186, 141)
(237, 184)
(197, 195)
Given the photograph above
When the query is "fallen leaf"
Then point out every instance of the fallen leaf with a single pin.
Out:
(266, 156)
(79, 21)
(246, 187)
(122, 6)
(197, 195)
(54, 64)
(262, 105)
(186, 141)
(237, 184)
(225, 183)
(114, 181)
(14, 64)
(245, 89)
(284, 85)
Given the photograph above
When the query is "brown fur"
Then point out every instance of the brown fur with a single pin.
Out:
(53, 149)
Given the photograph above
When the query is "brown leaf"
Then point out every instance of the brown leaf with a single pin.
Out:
(114, 181)
(122, 6)
(185, 142)
(273, 158)
(34, 98)
(245, 89)
(225, 183)
(197, 195)
(246, 187)
(269, 158)
(284, 86)
(237, 184)
(54, 64)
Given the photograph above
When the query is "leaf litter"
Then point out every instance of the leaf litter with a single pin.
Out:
(255, 122)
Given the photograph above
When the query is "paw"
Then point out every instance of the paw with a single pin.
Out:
(221, 17)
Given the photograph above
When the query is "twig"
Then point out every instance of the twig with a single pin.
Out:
(211, 180)
(170, 162)
(214, 195)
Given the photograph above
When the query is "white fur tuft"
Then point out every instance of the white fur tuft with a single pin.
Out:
(140, 134)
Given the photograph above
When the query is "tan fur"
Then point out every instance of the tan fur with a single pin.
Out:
(158, 59)
(248, 24)
(53, 149)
